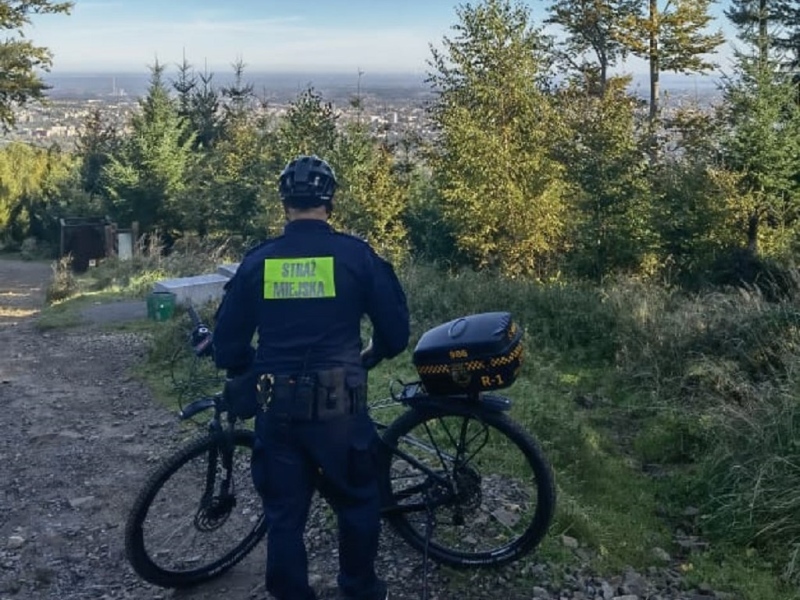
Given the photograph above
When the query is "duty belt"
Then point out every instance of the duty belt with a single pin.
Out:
(318, 396)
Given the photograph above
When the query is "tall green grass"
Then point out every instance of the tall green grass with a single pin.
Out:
(559, 318)
(719, 374)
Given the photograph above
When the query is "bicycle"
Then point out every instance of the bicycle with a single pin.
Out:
(461, 482)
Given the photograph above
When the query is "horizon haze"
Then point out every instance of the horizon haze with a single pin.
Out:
(285, 86)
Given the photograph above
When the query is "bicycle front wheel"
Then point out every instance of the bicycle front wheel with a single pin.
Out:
(466, 486)
(198, 514)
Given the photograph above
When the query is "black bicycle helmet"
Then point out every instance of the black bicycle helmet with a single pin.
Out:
(307, 181)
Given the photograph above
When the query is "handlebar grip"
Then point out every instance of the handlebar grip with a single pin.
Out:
(193, 315)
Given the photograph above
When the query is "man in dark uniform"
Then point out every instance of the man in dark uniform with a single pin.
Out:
(305, 294)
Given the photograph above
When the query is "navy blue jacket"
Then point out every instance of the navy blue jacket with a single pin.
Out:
(304, 293)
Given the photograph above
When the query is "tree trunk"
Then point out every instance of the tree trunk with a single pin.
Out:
(763, 33)
(655, 69)
(752, 234)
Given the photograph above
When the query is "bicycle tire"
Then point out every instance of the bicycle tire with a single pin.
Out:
(219, 530)
(502, 505)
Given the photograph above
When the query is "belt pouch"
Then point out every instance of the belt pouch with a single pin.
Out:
(303, 406)
(332, 396)
(289, 398)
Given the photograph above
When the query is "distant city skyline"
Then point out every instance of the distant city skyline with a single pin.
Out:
(379, 36)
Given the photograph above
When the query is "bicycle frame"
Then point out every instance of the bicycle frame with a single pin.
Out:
(412, 397)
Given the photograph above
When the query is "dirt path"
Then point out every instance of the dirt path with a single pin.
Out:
(80, 436)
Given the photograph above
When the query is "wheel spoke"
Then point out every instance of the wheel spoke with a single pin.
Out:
(480, 477)
(174, 539)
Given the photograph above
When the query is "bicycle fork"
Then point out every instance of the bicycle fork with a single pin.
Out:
(215, 507)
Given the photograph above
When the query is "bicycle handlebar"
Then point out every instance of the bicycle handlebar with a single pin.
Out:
(201, 340)
(196, 321)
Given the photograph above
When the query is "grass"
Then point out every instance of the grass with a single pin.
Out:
(67, 313)
(604, 500)
(647, 402)
(741, 569)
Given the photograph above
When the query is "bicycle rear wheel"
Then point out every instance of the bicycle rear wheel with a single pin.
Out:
(467, 486)
(198, 514)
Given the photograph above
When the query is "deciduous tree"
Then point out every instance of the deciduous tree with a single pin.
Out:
(592, 28)
(671, 37)
(32, 182)
(20, 60)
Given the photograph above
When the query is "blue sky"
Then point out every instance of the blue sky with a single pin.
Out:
(268, 35)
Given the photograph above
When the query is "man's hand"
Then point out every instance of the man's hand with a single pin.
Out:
(369, 357)
(240, 393)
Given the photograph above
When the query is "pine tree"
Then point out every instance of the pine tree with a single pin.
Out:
(773, 26)
(204, 111)
(788, 40)
(763, 148)
(199, 103)
(97, 143)
(309, 126)
(229, 188)
(501, 192)
(609, 192)
(752, 18)
(144, 178)
(372, 195)
(185, 85)
(238, 96)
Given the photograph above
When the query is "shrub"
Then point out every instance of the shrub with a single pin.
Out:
(565, 317)
(64, 283)
(741, 268)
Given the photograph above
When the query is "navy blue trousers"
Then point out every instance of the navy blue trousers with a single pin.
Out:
(338, 457)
